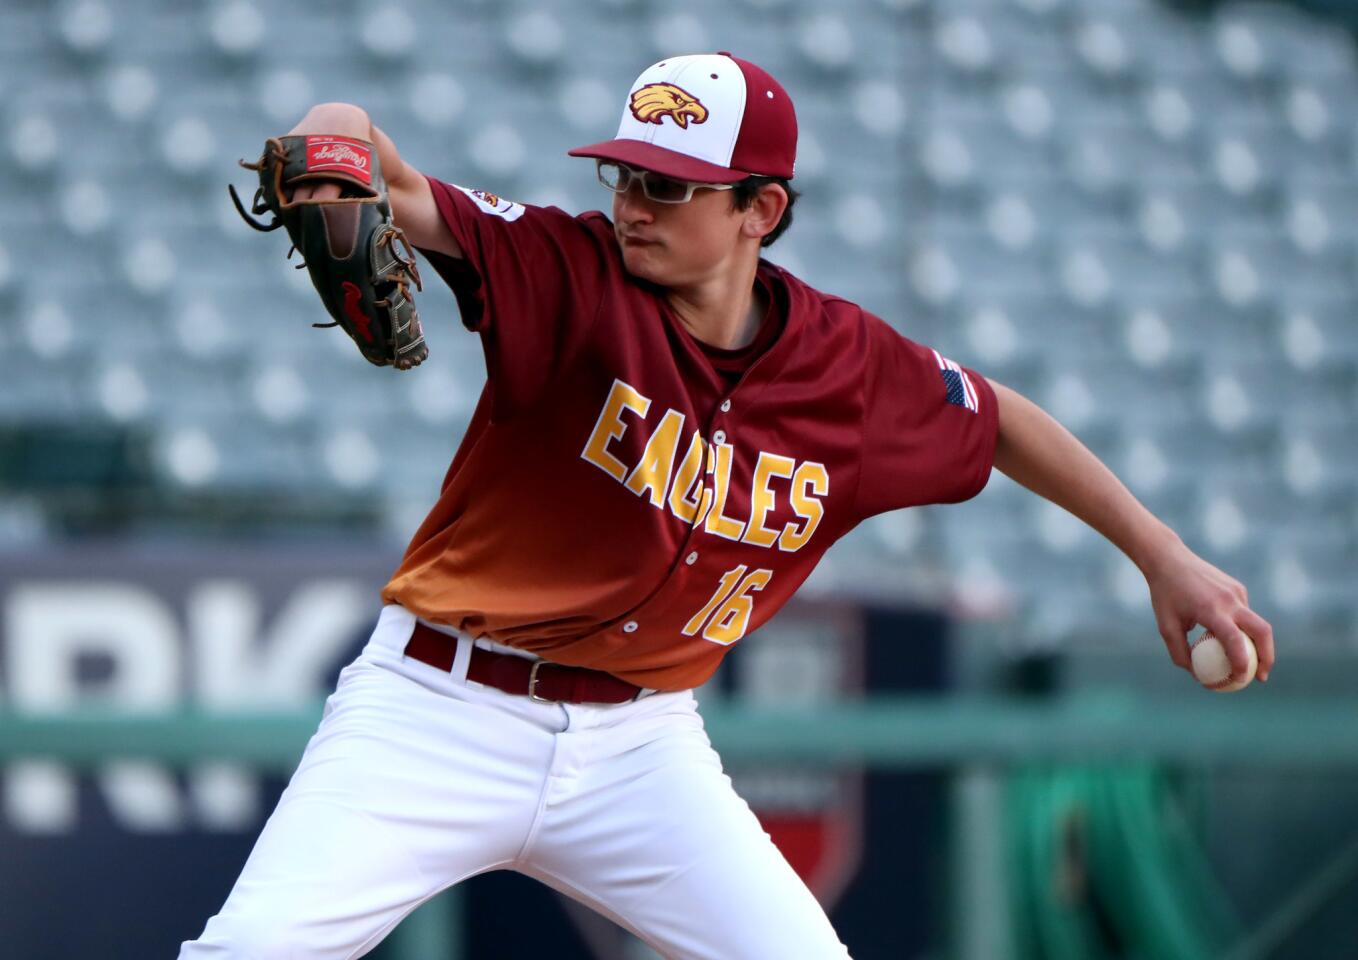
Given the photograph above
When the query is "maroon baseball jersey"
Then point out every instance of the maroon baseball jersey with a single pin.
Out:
(624, 499)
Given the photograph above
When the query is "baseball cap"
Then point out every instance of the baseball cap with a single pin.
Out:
(710, 118)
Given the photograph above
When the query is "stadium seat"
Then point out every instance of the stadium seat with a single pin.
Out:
(535, 36)
(1272, 39)
(1104, 46)
(826, 40)
(964, 44)
(1314, 333)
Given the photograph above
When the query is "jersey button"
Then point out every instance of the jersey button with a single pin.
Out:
(629, 627)
(692, 558)
(726, 405)
(719, 436)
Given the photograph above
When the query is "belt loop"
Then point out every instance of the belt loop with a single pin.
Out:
(462, 658)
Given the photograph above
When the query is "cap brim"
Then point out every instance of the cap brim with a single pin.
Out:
(668, 163)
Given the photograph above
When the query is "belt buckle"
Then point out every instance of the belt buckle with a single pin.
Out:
(533, 683)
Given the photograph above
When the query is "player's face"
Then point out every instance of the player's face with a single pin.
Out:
(676, 244)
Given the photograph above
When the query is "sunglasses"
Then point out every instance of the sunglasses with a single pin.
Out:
(618, 177)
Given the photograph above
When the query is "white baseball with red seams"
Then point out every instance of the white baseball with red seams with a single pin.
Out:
(1212, 666)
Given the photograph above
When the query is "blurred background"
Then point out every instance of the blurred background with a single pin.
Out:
(1141, 214)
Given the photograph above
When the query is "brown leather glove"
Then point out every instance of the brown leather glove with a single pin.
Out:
(359, 260)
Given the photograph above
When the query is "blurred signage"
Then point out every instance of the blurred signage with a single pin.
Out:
(156, 628)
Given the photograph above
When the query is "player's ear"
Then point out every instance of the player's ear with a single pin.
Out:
(764, 213)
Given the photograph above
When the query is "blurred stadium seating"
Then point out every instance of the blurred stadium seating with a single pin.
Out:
(1144, 218)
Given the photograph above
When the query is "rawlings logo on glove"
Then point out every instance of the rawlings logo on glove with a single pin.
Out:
(360, 261)
(339, 154)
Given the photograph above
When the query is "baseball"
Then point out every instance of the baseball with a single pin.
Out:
(1213, 668)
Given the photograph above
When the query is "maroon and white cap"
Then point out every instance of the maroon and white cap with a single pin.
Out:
(711, 118)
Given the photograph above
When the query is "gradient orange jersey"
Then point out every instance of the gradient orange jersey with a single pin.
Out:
(617, 503)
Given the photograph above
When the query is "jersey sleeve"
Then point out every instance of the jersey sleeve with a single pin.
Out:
(930, 426)
(529, 282)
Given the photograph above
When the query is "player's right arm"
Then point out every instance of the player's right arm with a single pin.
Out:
(1034, 450)
(412, 201)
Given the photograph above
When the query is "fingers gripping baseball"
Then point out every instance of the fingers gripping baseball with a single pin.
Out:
(1261, 632)
(1187, 591)
(1175, 635)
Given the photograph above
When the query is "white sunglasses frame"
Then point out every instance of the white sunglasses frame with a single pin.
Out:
(642, 176)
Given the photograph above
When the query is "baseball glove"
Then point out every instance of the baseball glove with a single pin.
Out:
(359, 260)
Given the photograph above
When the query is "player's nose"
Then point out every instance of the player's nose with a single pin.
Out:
(633, 206)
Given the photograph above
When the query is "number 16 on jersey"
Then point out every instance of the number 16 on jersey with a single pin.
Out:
(725, 618)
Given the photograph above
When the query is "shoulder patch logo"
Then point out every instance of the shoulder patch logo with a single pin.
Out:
(960, 390)
(656, 101)
(494, 204)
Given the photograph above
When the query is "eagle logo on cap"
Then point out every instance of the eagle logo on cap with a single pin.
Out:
(656, 101)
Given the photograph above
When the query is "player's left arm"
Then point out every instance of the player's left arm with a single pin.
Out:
(1033, 449)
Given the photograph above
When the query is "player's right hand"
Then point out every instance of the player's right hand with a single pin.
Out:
(1187, 591)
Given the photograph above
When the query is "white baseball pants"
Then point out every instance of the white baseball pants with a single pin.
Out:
(418, 778)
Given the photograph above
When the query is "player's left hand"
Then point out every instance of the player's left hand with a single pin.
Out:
(329, 192)
(1187, 591)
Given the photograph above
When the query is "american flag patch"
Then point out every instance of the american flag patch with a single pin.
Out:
(961, 390)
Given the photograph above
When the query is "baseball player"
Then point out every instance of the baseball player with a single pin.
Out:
(671, 433)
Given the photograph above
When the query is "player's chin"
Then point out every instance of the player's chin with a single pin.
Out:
(646, 261)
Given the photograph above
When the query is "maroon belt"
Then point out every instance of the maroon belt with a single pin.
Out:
(537, 679)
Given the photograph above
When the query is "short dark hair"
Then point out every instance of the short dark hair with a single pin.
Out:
(745, 191)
